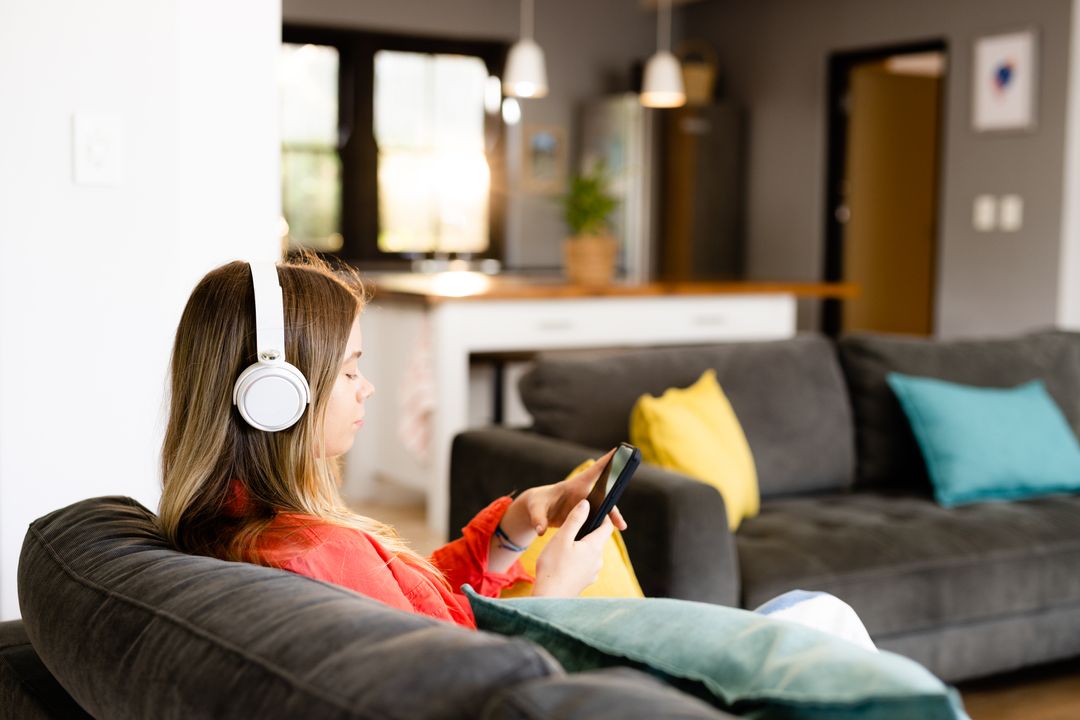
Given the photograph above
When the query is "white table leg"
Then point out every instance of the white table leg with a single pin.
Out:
(451, 356)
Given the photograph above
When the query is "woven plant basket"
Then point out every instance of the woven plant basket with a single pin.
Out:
(590, 259)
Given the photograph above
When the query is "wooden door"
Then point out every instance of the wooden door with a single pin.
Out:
(891, 200)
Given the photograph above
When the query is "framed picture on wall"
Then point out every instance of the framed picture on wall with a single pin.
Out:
(545, 159)
(1005, 82)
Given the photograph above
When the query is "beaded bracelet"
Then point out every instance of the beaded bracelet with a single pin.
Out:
(506, 543)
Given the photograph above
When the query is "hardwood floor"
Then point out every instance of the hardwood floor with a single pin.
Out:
(1050, 692)
(1044, 693)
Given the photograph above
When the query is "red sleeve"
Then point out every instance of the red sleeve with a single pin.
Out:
(465, 559)
(352, 560)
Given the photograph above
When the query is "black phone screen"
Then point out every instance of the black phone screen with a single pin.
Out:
(607, 481)
(608, 477)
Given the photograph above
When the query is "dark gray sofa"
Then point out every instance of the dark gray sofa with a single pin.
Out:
(118, 625)
(846, 502)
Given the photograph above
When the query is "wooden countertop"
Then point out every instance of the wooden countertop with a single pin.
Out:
(453, 286)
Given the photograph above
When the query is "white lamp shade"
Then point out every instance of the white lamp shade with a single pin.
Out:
(663, 86)
(525, 75)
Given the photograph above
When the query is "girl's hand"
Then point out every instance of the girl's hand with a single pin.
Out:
(548, 505)
(536, 509)
(566, 567)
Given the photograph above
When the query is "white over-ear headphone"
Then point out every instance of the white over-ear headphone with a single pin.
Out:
(271, 394)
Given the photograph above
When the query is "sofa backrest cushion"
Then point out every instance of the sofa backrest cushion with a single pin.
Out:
(134, 629)
(788, 395)
(888, 456)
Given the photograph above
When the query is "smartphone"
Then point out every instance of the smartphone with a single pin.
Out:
(610, 485)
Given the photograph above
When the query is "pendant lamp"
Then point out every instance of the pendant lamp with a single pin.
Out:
(662, 86)
(525, 75)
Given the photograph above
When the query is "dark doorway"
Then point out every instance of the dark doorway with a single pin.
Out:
(885, 120)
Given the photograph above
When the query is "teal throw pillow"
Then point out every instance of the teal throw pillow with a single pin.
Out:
(989, 443)
(742, 662)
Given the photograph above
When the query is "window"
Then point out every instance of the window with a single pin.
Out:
(433, 174)
(392, 146)
(310, 164)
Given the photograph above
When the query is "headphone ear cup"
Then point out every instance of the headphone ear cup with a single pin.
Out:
(271, 396)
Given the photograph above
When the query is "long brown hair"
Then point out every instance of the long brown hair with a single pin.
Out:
(210, 452)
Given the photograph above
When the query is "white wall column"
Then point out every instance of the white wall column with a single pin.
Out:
(93, 278)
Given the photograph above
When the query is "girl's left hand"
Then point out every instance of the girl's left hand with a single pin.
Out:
(548, 505)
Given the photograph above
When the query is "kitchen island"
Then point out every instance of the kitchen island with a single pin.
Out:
(420, 332)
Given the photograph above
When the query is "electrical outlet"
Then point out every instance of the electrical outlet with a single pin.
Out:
(97, 149)
(984, 213)
(1011, 213)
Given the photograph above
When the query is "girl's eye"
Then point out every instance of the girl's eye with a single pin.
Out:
(351, 377)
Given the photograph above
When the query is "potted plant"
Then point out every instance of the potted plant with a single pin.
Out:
(589, 253)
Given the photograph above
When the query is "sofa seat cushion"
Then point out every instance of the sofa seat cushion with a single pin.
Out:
(906, 564)
(27, 690)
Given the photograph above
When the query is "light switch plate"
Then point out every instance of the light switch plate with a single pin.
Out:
(1011, 213)
(97, 149)
(984, 213)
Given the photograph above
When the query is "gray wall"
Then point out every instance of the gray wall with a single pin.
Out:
(774, 55)
(589, 46)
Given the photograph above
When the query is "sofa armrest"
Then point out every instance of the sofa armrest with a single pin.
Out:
(677, 537)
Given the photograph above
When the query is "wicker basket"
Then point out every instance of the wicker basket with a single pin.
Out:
(590, 259)
(698, 60)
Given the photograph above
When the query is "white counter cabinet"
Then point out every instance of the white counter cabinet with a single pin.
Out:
(482, 316)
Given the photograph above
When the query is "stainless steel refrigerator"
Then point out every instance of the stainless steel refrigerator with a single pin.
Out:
(625, 136)
(679, 178)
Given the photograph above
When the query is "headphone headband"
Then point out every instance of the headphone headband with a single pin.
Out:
(271, 395)
(269, 313)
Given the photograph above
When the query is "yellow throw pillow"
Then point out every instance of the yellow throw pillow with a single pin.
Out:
(617, 578)
(694, 431)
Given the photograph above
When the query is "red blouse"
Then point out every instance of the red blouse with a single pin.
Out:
(354, 559)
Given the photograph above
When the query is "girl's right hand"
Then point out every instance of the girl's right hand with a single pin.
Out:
(566, 567)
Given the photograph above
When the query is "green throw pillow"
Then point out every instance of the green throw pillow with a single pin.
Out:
(989, 443)
(748, 664)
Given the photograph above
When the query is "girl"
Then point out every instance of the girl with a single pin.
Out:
(238, 492)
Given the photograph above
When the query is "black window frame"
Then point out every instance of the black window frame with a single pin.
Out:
(356, 137)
